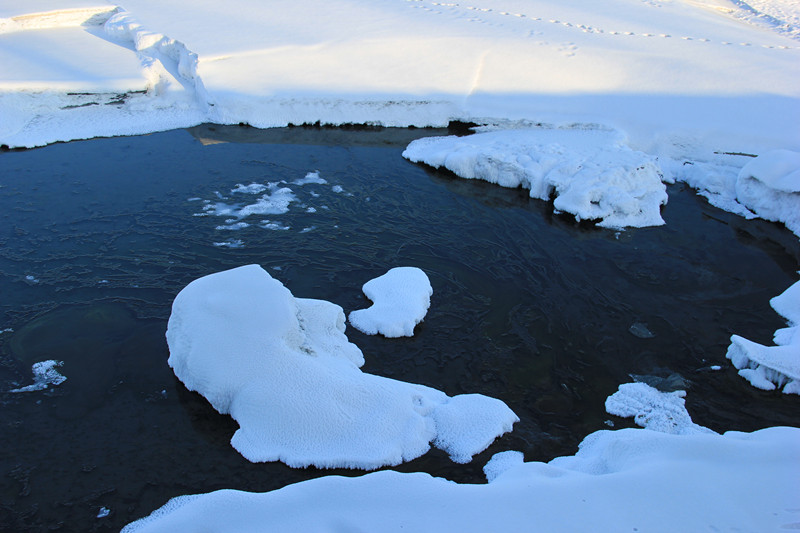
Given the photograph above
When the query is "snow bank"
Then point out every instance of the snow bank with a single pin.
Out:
(401, 299)
(627, 480)
(770, 367)
(45, 373)
(283, 368)
(654, 410)
(770, 186)
(590, 174)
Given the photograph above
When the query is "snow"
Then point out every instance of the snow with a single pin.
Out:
(626, 480)
(654, 410)
(283, 368)
(771, 367)
(401, 299)
(590, 173)
(770, 187)
(45, 373)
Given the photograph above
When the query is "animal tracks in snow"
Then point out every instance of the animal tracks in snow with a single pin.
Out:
(494, 17)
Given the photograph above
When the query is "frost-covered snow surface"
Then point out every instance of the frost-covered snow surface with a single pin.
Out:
(771, 367)
(401, 298)
(283, 368)
(653, 409)
(626, 480)
(590, 174)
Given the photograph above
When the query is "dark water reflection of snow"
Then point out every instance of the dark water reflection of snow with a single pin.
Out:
(529, 307)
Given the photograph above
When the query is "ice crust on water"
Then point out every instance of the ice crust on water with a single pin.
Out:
(45, 373)
(273, 202)
(770, 186)
(283, 368)
(771, 367)
(654, 410)
(625, 480)
(311, 178)
(590, 173)
(401, 299)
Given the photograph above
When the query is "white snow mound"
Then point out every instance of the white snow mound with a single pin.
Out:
(625, 480)
(283, 368)
(771, 367)
(401, 299)
(769, 186)
(652, 409)
(589, 173)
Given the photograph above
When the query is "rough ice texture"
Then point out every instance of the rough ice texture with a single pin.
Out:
(652, 409)
(401, 299)
(283, 368)
(45, 373)
(771, 367)
(590, 174)
(626, 480)
(770, 186)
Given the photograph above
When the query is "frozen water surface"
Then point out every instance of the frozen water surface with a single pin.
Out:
(530, 307)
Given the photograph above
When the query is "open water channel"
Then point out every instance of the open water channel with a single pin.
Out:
(550, 316)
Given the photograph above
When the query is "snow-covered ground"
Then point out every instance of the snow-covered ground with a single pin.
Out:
(655, 91)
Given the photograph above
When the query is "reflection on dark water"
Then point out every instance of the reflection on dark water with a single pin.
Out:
(97, 238)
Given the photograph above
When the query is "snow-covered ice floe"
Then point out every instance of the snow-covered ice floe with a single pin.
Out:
(653, 409)
(626, 480)
(45, 373)
(771, 367)
(283, 368)
(401, 299)
(589, 173)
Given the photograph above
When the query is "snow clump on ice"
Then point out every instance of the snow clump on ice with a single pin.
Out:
(652, 409)
(401, 299)
(283, 368)
(771, 367)
(590, 173)
(769, 185)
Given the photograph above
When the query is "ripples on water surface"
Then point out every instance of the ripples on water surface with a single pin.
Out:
(99, 236)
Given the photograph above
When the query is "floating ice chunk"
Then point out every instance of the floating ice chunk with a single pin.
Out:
(234, 226)
(44, 375)
(253, 188)
(769, 185)
(401, 299)
(311, 177)
(283, 368)
(233, 243)
(664, 483)
(658, 411)
(337, 189)
(771, 367)
(590, 173)
(640, 330)
(274, 226)
(275, 202)
(500, 462)
(103, 512)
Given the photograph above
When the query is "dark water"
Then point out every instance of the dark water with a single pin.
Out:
(97, 237)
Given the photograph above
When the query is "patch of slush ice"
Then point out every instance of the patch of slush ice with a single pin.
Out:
(401, 299)
(45, 373)
(274, 202)
(274, 226)
(233, 243)
(311, 177)
(771, 367)
(337, 189)
(652, 409)
(769, 185)
(253, 188)
(625, 480)
(590, 173)
(283, 368)
(233, 226)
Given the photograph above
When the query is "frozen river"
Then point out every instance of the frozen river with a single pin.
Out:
(529, 307)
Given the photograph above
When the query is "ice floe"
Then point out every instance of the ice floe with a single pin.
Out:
(626, 480)
(589, 174)
(45, 373)
(401, 299)
(771, 367)
(283, 368)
